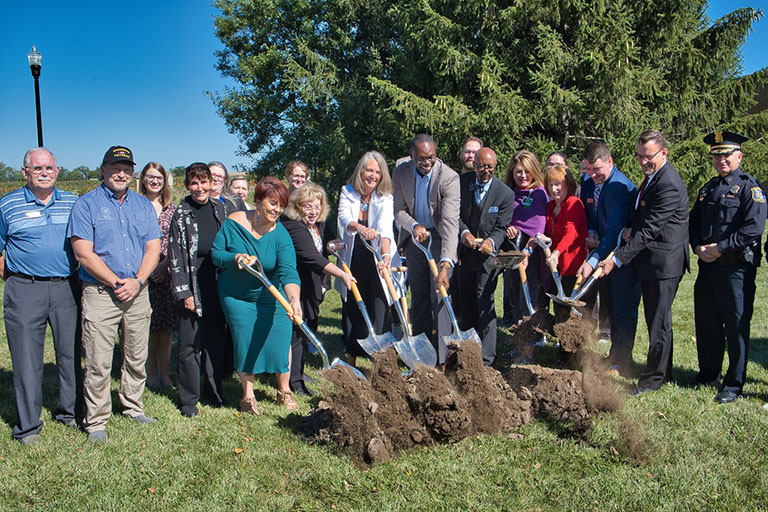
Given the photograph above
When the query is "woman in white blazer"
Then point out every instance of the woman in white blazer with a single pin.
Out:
(366, 209)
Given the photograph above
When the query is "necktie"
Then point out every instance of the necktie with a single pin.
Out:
(642, 187)
(596, 194)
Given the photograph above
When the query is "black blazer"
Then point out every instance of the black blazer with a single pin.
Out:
(659, 244)
(487, 220)
(309, 262)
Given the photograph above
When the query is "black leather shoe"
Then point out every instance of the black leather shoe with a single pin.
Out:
(726, 397)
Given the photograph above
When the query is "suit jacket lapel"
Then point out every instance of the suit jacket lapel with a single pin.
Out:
(433, 188)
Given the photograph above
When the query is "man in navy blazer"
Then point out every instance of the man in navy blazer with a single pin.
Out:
(486, 209)
(608, 198)
(657, 246)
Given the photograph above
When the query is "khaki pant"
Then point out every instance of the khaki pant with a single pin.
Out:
(102, 315)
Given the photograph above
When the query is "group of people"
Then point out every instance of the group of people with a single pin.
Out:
(116, 263)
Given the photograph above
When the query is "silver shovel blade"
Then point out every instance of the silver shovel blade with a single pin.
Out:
(338, 362)
(566, 301)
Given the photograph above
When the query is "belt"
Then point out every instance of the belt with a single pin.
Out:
(54, 279)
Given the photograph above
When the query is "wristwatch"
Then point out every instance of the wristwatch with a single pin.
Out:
(141, 283)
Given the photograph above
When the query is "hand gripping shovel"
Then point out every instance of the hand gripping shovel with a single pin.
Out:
(413, 350)
(458, 335)
(579, 291)
(560, 298)
(373, 342)
(259, 274)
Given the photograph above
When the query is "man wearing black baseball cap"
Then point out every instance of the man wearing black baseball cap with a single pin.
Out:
(726, 223)
(116, 239)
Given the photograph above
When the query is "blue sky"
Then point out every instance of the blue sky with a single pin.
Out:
(134, 73)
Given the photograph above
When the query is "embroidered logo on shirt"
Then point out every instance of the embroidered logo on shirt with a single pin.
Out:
(106, 213)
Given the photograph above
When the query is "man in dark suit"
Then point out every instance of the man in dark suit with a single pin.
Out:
(657, 245)
(608, 198)
(487, 205)
(426, 197)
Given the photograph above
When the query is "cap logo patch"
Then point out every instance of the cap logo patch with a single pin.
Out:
(718, 137)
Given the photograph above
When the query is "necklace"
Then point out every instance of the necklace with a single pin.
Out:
(364, 205)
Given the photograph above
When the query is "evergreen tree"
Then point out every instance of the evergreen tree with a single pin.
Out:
(326, 80)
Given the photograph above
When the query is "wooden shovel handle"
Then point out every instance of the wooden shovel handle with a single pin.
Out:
(355, 290)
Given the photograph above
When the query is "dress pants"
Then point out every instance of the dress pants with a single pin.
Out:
(28, 307)
(102, 314)
(624, 286)
(204, 347)
(477, 286)
(723, 298)
(427, 306)
(299, 347)
(658, 295)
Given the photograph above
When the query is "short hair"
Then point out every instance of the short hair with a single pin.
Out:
(295, 163)
(422, 138)
(307, 192)
(28, 155)
(166, 192)
(530, 163)
(235, 176)
(653, 135)
(560, 173)
(356, 180)
(470, 139)
(597, 150)
(216, 163)
(198, 171)
(558, 153)
(272, 188)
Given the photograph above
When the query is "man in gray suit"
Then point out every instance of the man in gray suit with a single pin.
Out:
(426, 194)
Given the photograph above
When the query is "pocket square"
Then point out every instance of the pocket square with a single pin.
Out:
(493, 209)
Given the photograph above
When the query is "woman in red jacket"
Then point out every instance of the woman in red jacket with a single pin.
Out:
(567, 227)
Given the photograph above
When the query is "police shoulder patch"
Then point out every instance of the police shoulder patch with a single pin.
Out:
(758, 195)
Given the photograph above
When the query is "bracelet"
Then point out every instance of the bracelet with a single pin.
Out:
(141, 283)
(445, 264)
(530, 251)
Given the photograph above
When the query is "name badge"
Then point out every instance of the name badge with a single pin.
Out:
(527, 202)
(34, 214)
(642, 203)
(493, 209)
(590, 200)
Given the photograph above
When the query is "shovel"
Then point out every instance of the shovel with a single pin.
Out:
(523, 276)
(373, 342)
(458, 335)
(579, 291)
(256, 270)
(560, 298)
(413, 350)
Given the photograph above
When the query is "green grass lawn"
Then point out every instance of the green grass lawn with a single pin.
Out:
(693, 453)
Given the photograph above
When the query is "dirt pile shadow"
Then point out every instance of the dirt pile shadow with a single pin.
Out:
(372, 421)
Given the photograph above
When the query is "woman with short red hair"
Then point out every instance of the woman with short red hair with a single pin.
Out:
(261, 331)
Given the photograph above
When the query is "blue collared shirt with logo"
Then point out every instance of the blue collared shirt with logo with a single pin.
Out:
(119, 230)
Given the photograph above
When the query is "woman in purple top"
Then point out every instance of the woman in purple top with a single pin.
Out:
(524, 177)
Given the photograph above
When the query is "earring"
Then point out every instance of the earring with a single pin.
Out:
(258, 214)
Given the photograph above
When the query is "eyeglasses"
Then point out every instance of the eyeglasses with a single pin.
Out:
(153, 178)
(647, 157)
(425, 159)
(486, 167)
(38, 170)
(311, 207)
(216, 177)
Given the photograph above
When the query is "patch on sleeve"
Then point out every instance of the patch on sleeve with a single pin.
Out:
(758, 195)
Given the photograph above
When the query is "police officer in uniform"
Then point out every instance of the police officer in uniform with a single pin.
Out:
(726, 224)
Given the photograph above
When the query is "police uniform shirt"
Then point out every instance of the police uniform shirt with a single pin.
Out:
(731, 212)
(33, 234)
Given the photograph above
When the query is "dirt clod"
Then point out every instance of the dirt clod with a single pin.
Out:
(374, 420)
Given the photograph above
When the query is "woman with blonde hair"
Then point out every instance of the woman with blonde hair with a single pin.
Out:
(154, 184)
(366, 209)
(524, 177)
(304, 218)
(296, 174)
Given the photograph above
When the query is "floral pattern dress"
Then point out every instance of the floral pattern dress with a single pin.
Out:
(160, 293)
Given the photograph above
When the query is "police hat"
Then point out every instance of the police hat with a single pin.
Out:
(118, 154)
(724, 143)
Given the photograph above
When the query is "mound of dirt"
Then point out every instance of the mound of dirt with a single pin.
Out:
(574, 333)
(374, 420)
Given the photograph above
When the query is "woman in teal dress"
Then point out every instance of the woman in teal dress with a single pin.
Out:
(261, 330)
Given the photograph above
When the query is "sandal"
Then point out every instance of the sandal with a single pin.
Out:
(248, 406)
(286, 398)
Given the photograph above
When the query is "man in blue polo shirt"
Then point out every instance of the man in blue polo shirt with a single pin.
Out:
(116, 239)
(37, 265)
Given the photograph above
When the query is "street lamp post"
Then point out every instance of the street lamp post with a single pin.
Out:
(35, 59)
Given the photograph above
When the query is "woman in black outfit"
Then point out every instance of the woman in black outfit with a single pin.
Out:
(304, 218)
(203, 345)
